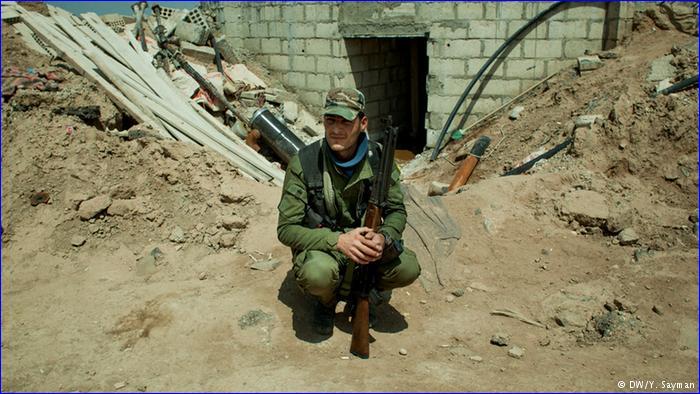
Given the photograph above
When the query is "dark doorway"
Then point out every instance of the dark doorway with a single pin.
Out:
(392, 72)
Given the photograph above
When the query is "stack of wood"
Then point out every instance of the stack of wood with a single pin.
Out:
(126, 73)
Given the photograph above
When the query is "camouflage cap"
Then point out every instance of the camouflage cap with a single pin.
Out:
(344, 102)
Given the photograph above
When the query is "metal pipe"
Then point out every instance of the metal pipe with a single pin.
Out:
(276, 135)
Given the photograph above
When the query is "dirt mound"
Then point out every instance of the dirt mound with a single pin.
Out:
(120, 252)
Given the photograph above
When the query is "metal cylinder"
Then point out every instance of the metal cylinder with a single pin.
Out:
(276, 135)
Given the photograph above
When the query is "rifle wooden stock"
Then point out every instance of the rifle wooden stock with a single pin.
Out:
(467, 167)
(359, 346)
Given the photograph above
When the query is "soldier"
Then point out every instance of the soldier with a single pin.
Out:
(325, 194)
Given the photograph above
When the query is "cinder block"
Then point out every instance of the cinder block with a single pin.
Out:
(318, 12)
(461, 49)
(377, 61)
(347, 80)
(329, 64)
(252, 44)
(568, 29)
(470, 10)
(385, 107)
(558, 65)
(543, 48)
(538, 32)
(191, 32)
(320, 82)
(353, 47)
(338, 48)
(435, 120)
(292, 12)
(500, 87)
(444, 67)
(372, 109)
(392, 59)
(586, 12)
(474, 65)
(442, 104)
(271, 13)
(259, 30)
(483, 105)
(280, 63)
(302, 30)
(327, 30)
(318, 47)
(271, 45)
(293, 47)
(277, 29)
(435, 11)
(296, 79)
(370, 46)
(525, 68)
(452, 86)
(576, 48)
(487, 29)
(595, 30)
(303, 63)
(377, 92)
(370, 78)
(509, 10)
(312, 97)
(448, 32)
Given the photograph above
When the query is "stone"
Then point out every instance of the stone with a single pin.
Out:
(229, 193)
(693, 217)
(203, 276)
(146, 265)
(656, 309)
(488, 225)
(588, 63)
(266, 265)
(227, 240)
(516, 352)
(90, 208)
(663, 84)
(586, 120)
(661, 69)
(191, 32)
(78, 240)
(231, 222)
(403, 352)
(290, 111)
(450, 298)
(437, 188)
(253, 318)
(119, 385)
(515, 112)
(624, 305)
(587, 207)
(619, 220)
(628, 236)
(477, 359)
(569, 318)
(73, 200)
(126, 207)
(500, 339)
(241, 73)
(177, 235)
(204, 54)
(458, 292)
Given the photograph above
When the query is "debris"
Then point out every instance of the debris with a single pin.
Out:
(78, 240)
(458, 292)
(177, 235)
(663, 84)
(465, 170)
(684, 84)
(253, 318)
(587, 207)
(203, 275)
(586, 120)
(240, 73)
(523, 168)
(231, 222)
(657, 310)
(191, 32)
(90, 208)
(119, 385)
(477, 359)
(628, 236)
(500, 339)
(488, 225)
(403, 352)
(450, 298)
(39, 198)
(516, 352)
(588, 63)
(516, 315)
(202, 53)
(228, 240)
(266, 265)
(515, 112)
(437, 189)
(661, 69)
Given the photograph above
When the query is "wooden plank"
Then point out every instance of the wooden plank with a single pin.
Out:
(29, 38)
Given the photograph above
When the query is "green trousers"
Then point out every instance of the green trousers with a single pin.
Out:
(320, 274)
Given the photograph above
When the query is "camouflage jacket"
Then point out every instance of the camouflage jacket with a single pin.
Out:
(347, 192)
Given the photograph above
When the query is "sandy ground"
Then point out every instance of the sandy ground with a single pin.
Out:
(153, 290)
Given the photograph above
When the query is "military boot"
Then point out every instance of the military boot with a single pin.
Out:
(323, 318)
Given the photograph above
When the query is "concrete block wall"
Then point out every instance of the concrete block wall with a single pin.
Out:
(303, 43)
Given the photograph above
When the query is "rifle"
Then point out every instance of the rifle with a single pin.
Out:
(359, 345)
